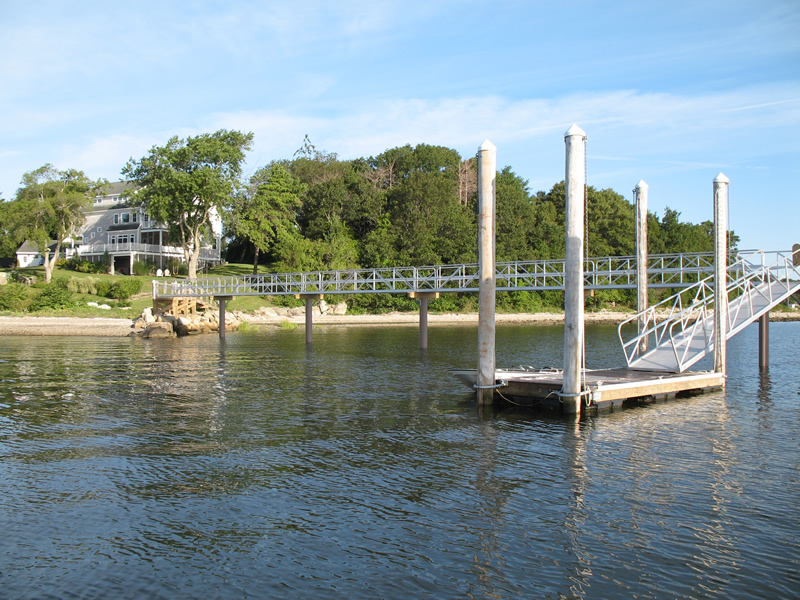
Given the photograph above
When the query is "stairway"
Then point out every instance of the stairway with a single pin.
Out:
(679, 331)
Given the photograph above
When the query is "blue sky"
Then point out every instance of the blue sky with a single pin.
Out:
(669, 92)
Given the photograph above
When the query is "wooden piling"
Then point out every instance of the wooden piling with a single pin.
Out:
(763, 342)
(487, 180)
(721, 183)
(571, 391)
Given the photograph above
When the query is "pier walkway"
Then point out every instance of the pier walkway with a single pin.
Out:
(615, 272)
(677, 332)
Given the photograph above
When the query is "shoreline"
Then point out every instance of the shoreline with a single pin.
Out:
(107, 327)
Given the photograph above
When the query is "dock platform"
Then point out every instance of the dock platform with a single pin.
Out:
(604, 388)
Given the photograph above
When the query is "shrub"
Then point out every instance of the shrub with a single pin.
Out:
(125, 288)
(14, 296)
(103, 288)
(82, 285)
(143, 268)
(52, 296)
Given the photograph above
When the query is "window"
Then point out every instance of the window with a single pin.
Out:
(135, 217)
(93, 235)
(126, 217)
(99, 230)
(116, 219)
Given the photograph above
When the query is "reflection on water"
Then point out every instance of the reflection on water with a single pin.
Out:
(359, 468)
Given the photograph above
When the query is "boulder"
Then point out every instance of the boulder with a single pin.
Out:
(158, 330)
(324, 307)
(340, 308)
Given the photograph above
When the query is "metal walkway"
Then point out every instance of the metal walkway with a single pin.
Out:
(679, 331)
(618, 272)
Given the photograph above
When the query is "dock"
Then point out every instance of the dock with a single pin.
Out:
(605, 389)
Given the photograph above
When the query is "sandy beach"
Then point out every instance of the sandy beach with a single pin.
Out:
(104, 327)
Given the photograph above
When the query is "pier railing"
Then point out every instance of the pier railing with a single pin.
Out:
(616, 272)
(678, 331)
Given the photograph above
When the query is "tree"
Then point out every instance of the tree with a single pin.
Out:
(186, 182)
(267, 209)
(51, 205)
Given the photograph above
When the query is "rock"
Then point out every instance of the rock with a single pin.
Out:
(297, 312)
(147, 315)
(340, 309)
(324, 307)
(268, 312)
(158, 330)
(316, 311)
(3, 278)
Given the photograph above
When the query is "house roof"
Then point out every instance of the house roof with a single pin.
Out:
(29, 247)
(123, 227)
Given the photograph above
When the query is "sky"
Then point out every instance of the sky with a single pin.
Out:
(671, 93)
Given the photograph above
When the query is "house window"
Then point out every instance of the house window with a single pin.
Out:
(135, 217)
(99, 230)
(112, 239)
(126, 217)
(93, 235)
(116, 219)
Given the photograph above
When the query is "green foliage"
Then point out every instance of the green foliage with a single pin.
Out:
(14, 297)
(82, 285)
(379, 303)
(84, 266)
(287, 325)
(143, 268)
(185, 182)
(125, 288)
(50, 205)
(103, 288)
(52, 296)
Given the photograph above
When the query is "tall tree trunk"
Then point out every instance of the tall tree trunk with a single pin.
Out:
(255, 262)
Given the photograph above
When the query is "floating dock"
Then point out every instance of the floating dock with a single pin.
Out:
(603, 389)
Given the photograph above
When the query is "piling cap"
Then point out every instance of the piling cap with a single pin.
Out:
(487, 145)
(575, 130)
(641, 185)
(721, 178)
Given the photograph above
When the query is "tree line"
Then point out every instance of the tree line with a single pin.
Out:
(408, 206)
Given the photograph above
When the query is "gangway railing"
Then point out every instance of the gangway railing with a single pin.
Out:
(616, 272)
(679, 331)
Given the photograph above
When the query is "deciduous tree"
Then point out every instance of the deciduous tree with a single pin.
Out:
(185, 182)
(51, 205)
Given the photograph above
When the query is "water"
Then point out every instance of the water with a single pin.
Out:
(360, 469)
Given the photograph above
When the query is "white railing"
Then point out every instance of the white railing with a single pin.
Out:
(619, 272)
(170, 251)
(678, 331)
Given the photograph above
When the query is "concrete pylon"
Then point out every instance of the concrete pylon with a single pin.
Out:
(571, 390)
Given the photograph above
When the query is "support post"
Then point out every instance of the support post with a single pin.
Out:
(309, 298)
(763, 342)
(571, 389)
(423, 298)
(487, 180)
(222, 300)
(640, 193)
(721, 183)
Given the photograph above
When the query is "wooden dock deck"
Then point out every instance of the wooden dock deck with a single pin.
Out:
(604, 388)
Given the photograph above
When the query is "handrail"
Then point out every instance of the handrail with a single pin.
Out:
(754, 275)
(616, 272)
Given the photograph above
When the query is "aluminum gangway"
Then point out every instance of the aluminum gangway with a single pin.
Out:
(615, 272)
(677, 332)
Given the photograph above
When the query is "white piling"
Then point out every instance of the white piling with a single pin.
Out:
(575, 139)
(721, 184)
(640, 194)
(487, 179)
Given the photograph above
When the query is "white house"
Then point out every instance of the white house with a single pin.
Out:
(115, 227)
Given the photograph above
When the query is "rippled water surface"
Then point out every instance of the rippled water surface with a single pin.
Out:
(360, 469)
